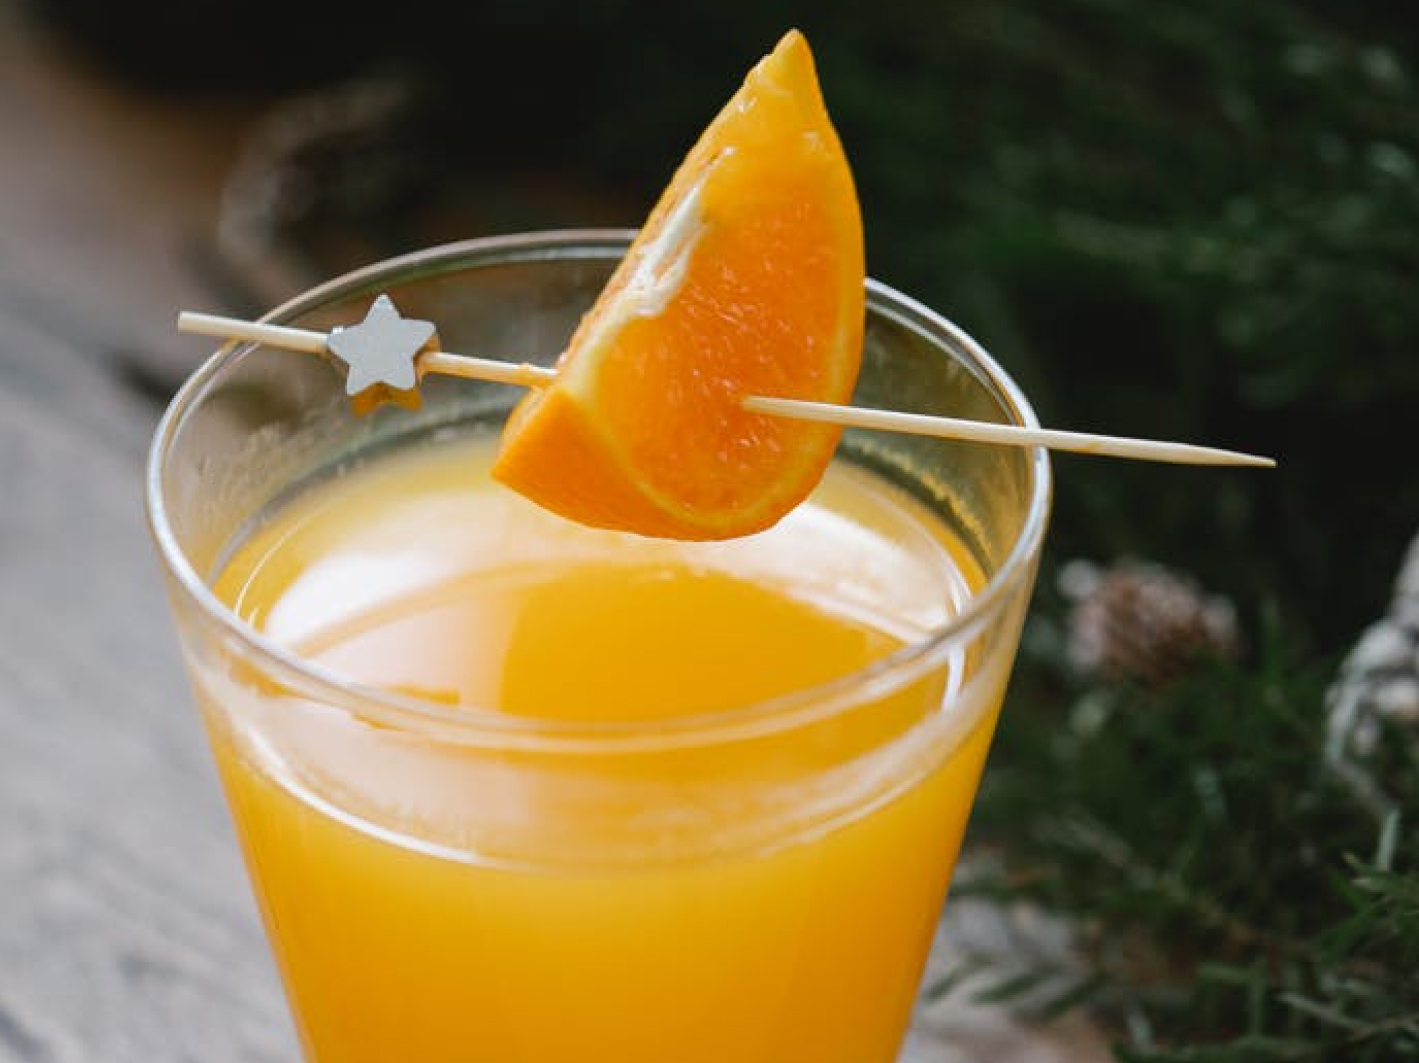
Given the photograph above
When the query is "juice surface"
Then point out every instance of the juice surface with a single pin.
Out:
(765, 897)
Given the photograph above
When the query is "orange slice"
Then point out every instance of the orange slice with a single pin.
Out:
(747, 279)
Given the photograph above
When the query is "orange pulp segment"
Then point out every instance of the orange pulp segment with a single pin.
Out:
(747, 279)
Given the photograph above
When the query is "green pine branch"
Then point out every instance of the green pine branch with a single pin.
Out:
(1234, 898)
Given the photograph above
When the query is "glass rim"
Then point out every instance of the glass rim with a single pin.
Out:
(487, 727)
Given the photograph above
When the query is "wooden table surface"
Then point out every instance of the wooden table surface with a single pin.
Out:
(127, 934)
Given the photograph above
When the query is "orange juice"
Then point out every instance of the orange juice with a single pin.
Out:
(606, 799)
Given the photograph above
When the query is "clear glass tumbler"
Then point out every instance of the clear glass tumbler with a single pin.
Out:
(452, 883)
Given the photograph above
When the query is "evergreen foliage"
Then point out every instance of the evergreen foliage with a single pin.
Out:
(1235, 898)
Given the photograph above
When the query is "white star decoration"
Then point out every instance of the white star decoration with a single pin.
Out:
(381, 349)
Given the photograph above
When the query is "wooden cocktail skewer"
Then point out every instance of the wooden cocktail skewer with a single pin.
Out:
(523, 374)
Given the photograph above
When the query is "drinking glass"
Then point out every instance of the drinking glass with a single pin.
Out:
(444, 883)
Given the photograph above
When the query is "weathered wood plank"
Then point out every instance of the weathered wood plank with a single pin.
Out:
(126, 931)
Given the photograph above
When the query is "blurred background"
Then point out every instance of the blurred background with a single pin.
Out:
(1197, 222)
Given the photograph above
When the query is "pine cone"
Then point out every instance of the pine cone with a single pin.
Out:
(1140, 621)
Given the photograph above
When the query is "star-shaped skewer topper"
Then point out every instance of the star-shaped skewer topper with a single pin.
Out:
(380, 355)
